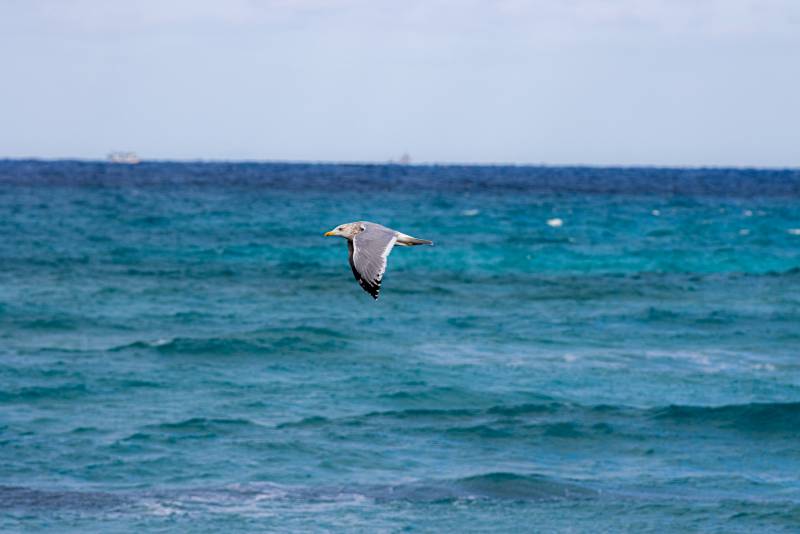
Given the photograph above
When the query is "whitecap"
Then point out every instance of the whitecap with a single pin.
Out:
(794, 231)
(555, 222)
(764, 367)
(156, 508)
(470, 212)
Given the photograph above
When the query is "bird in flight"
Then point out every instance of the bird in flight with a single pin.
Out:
(370, 245)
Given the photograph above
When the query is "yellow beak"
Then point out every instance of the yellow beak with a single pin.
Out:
(329, 233)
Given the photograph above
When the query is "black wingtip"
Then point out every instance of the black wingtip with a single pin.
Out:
(373, 290)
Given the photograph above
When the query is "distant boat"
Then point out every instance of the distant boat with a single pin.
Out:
(127, 158)
(405, 159)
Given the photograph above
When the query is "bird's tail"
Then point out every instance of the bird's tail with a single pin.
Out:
(408, 241)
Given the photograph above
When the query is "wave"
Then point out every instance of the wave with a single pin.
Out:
(203, 425)
(301, 339)
(183, 345)
(546, 423)
(792, 272)
(56, 322)
(753, 417)
(30, 498)
(566, 420)
(194, 428)
(495, 486)
(521, 487)
(52, 323)
(525, 409)
(29, 394)
(308, 422)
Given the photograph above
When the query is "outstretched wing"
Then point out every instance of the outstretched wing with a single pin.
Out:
(368, 252)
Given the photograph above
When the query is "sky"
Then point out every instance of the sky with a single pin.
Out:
(598, 82)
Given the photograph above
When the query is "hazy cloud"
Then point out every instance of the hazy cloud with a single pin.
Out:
(568, 17)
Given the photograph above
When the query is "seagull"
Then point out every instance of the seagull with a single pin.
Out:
(370, 244)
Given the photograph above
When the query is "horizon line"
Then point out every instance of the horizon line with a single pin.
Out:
(46, 159)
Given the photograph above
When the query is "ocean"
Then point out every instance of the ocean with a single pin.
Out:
(181, 350)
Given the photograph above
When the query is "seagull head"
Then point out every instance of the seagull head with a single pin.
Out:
(348, 230)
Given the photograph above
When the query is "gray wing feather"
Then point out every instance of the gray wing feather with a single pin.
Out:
(368, 252)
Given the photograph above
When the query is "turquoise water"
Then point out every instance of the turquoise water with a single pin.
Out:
(181, 350)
